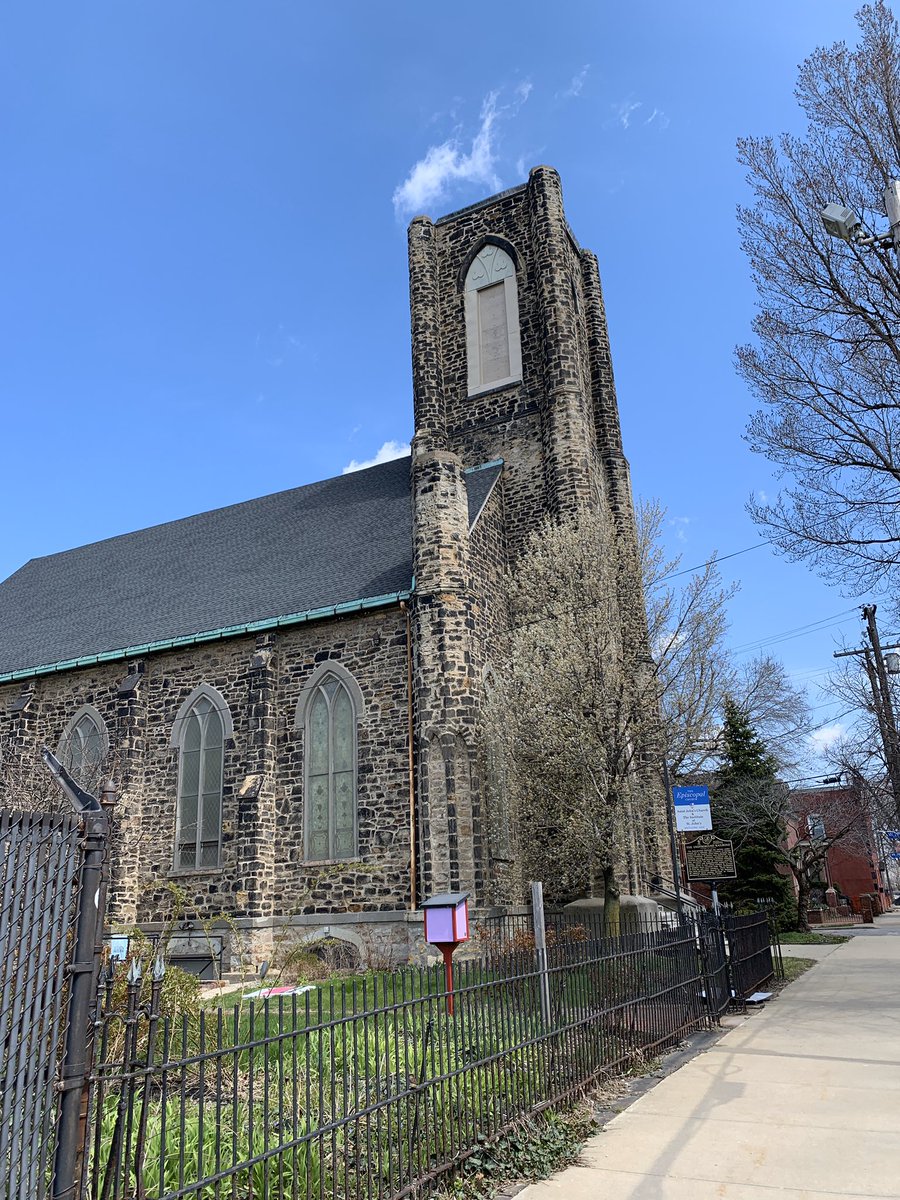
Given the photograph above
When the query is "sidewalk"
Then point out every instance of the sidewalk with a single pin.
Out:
(798, 1101)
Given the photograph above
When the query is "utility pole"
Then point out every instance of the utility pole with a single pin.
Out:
(892, 208)
(883, 704)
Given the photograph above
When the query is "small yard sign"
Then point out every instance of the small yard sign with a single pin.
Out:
(692, 811)
(710, 858)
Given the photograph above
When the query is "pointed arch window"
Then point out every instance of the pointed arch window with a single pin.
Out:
(83, 748)
(329, 711)
(200, 733)
(493, 348)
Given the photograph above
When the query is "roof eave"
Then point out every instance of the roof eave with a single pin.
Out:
(211, 635)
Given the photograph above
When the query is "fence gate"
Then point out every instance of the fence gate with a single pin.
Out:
(51, 896)
(714, 956)
(39, 869)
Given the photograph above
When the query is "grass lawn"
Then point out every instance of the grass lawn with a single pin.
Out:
(795, 967)
(813, 939)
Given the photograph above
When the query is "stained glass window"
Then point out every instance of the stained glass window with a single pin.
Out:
(330, 772)
(82, 751)
(199, 826)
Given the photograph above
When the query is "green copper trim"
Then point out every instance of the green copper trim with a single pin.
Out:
(212, 635)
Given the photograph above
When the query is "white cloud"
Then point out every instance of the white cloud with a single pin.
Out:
(623, 110)
(680, 524)
(388, 451)
(823, 739)
(430, 178)
(762, 496)
(658, 116)
(576, 84)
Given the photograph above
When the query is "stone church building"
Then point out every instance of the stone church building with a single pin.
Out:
(287, 690)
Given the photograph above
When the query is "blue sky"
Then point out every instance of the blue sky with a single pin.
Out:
(202, 238)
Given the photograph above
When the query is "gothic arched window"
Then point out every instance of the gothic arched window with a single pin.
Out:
(328, 713)
(200, 730)
(493, 349)
(83, 747)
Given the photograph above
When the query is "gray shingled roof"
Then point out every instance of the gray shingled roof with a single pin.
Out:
(313, 547)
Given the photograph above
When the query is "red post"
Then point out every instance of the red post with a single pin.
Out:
(447, 949)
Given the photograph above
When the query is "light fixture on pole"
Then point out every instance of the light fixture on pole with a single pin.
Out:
(843, 223)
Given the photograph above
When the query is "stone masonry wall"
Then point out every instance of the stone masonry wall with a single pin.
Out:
(262, 872)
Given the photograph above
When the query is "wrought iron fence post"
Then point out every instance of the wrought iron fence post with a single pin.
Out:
(775, 939)
(84, 970)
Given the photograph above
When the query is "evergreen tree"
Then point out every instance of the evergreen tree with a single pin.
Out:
(748, 764)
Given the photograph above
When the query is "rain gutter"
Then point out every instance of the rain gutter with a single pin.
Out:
(212, 635)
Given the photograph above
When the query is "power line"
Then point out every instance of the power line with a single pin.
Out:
(715, 560)
(788, 635)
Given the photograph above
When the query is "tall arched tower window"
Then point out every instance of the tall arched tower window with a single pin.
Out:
(200, 730)
(493, 349)
(83, 747)
(328, 713)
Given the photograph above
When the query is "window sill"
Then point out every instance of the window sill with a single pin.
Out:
(184, 872)
(498, 385)
(333, 862)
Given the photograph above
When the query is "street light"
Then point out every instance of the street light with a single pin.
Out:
(844, 223)
(841, 222)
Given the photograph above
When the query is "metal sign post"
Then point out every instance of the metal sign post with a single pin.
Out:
(540, 948)
(676, 862)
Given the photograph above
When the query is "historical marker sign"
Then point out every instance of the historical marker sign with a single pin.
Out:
(710, 858)
(692, 811)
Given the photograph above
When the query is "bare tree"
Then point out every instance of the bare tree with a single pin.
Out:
(826, 360)
(799, 834)
(688, 625)
(776, 708)
(26, 785)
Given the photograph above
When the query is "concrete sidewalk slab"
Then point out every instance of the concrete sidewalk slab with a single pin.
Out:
(837, 1106)
(578, 1183)
(816, 952)
(799, 1099)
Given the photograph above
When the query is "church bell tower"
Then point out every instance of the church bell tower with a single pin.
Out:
(511, 364)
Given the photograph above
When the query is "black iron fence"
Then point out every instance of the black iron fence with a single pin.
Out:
(749, 938)
(369, 1089)
(502, 933)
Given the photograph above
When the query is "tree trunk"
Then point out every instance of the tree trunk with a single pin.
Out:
(802, 903)
(611, 906)
(596, 886)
